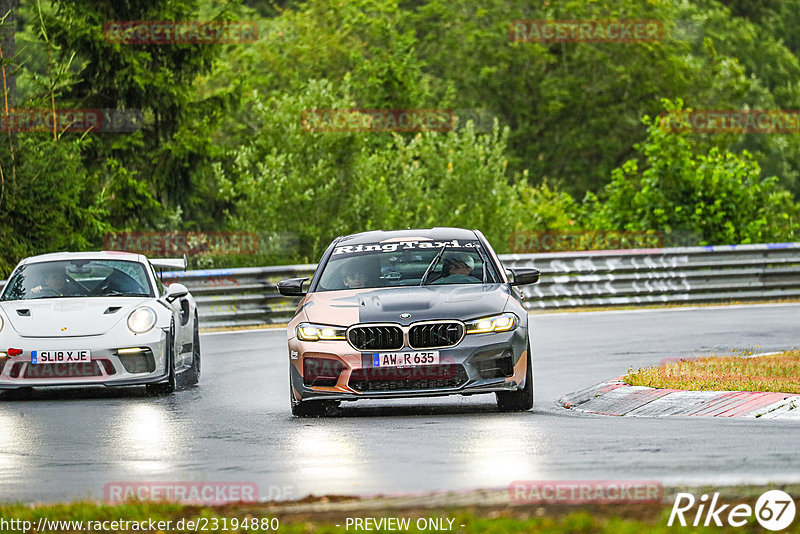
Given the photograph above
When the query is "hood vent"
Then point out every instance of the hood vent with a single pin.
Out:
(24, 313)
(112, 309)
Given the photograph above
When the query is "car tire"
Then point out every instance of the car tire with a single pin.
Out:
(520, 400)
(165, 388)
(309, 408)
(191, 376)
(19, 394)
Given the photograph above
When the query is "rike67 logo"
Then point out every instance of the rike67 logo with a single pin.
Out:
(774, 510)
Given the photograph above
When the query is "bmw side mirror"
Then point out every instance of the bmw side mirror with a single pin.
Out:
(293, 287)
(175, 291)
(521, 277)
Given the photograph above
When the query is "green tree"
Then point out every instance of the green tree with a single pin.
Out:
(318, 185)
(718, 197)
(574, 108)
(47, 203)
(322, 39)
(163, 168)
(751, 36)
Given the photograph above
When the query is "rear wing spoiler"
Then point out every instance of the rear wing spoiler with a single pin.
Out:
(170, 263)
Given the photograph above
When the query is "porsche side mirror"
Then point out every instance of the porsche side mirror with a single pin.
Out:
(293, 287)
(521, 277)
(175, 291)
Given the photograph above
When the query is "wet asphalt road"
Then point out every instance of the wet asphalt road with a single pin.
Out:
(237, 427)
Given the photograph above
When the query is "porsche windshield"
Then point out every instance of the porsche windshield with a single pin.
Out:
(78, 278)
(378, 265)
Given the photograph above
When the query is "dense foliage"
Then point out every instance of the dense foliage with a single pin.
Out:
(718, 197)
(550, 136)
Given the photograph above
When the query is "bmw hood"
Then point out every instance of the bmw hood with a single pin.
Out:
(421, 303)
(71, 317)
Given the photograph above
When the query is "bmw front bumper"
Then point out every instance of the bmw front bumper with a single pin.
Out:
(480, 363)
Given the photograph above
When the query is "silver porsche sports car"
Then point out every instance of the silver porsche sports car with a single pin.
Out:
(97, 318)
(411, 313)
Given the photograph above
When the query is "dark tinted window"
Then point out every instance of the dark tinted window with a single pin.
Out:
(393, 264)
(78, 278)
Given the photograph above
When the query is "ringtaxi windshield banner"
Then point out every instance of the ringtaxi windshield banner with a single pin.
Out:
(403, 245)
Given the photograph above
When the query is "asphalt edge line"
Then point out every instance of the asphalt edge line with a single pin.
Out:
(601, 311)
(217, 330)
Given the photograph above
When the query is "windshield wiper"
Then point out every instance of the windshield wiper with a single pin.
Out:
(430, 267)
(115, 293)
(485, 266)
(54, 297)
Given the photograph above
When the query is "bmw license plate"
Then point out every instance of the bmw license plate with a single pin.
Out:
(405, 359)
(61, 356)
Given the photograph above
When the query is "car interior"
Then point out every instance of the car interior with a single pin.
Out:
(402, 268)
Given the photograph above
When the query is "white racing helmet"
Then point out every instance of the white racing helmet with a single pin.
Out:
(461, 257)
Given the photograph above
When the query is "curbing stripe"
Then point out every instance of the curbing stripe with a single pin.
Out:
(615, 397)
(755, 403)
(676, 403)
(788, 408)
(720, 404)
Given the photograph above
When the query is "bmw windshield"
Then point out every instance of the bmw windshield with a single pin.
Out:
(405, 263)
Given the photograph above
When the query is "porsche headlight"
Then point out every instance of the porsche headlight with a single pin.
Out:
(495, 323)
(141, 320)
(318, 332)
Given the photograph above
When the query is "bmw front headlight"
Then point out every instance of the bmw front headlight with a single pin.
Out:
(141, 320)
(319, 332)
(496, 323)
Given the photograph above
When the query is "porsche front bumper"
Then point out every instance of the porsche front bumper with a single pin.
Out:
(142, 360)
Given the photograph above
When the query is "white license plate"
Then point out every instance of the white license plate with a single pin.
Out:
(405, 359)
(61, 356)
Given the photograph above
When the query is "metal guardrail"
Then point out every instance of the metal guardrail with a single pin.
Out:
(661, 276)
(240, 297)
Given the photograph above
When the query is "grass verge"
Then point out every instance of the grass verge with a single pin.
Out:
(330, 514)
(578, 519)
(778, 373)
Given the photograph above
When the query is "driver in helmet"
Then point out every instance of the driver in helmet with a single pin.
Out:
(457, 269)
(354, 276)
(55, 283)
